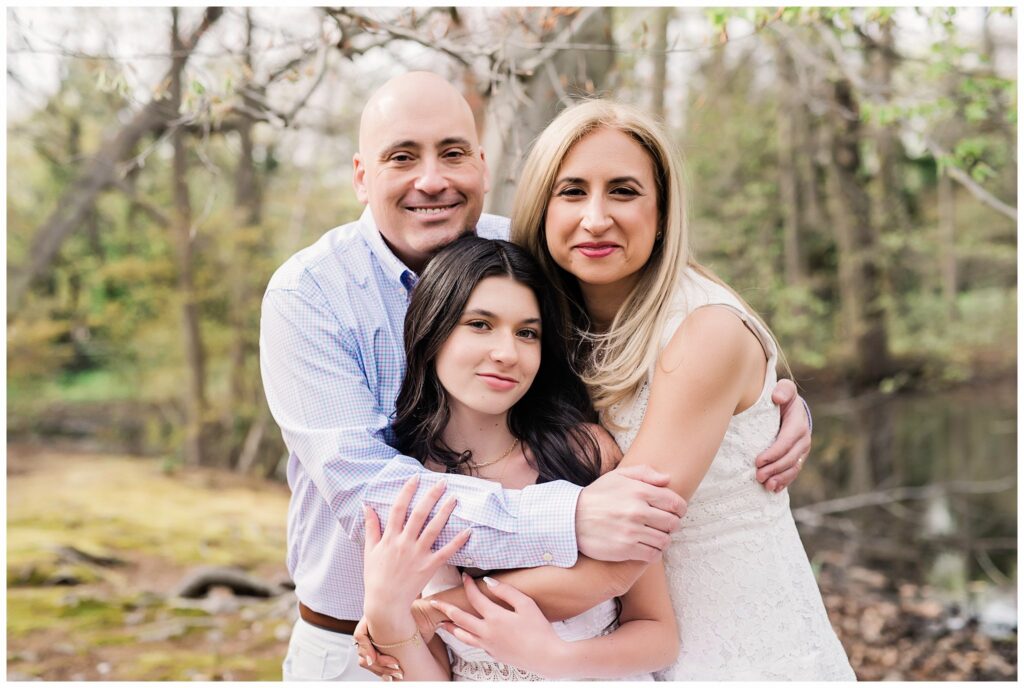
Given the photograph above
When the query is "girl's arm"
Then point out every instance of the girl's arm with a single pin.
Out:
(397, 564)
(646, 640)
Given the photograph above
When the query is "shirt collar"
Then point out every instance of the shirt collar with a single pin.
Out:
(391, 264)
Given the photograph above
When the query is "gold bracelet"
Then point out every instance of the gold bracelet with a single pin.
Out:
(416, 639)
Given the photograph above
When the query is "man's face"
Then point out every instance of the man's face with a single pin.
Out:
(422, 172)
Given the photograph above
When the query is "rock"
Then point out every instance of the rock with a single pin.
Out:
(73, 555)
(220, 600)
(200, 581)
(18, 676)
(283, 632)
(164, 631)
(64, 648)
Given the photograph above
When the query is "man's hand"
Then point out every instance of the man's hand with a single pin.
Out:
(779, 465)
(627, 513)
(387, 667)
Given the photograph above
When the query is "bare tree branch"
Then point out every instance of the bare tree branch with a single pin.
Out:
(813, 513)
(464, 54)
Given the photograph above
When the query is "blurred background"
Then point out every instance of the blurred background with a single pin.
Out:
(852, 172)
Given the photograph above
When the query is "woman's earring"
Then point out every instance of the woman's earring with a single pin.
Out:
(657, 237)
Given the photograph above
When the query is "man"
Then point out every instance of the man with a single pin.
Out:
(332, 360)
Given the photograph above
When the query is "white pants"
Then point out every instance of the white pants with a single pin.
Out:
(318, 655)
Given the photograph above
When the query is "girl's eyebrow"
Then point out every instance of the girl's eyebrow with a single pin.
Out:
(488, 314)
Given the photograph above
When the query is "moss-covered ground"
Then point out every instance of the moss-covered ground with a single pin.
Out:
(69, 619)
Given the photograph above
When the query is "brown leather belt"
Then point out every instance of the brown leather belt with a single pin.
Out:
(328, 623)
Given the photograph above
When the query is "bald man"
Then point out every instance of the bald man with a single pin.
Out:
(332, 359)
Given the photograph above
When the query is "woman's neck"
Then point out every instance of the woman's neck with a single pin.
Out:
(603, 301)
(487, 436)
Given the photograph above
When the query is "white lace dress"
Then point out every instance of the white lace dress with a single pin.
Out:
(741, 585)
(472, 664)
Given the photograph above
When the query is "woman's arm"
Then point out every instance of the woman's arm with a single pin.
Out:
(520, 635)
(712, 368)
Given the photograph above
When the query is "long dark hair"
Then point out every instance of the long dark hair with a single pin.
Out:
(549, 417)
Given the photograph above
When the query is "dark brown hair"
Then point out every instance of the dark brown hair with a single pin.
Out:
(548, 419)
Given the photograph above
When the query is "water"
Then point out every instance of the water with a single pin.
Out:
(955, 526)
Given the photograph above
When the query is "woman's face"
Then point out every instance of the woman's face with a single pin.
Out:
(603, 213)
(490, 359)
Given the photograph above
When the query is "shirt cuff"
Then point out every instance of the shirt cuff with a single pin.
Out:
(551, 510)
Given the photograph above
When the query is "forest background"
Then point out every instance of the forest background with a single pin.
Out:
(852, 172)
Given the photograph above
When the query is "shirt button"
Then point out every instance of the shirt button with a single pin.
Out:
(469, 561)
(547, 557)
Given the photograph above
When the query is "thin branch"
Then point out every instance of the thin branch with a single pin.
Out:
(463, 54)
(811, 514)
(965, 180)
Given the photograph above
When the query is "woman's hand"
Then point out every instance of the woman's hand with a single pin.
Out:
(521, 636)
(399, 562)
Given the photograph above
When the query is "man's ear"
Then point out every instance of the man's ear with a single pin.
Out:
(487, 172)
(359, 179)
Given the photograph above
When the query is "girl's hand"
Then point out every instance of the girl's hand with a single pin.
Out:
(399, 562)
(521, 637)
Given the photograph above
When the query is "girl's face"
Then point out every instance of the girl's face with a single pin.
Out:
(490, 359)
(603, 213)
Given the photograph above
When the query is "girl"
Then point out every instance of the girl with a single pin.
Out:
(488, 392)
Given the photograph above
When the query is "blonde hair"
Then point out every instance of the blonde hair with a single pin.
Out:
(618, 360)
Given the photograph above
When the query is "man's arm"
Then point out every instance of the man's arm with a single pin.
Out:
(318, 391)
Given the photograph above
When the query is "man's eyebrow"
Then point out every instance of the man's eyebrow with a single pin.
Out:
(455, 141)
(406, 143)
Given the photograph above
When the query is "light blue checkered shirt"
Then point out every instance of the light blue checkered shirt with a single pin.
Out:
(332, 359)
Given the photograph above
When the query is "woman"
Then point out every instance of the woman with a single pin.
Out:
(681, 369)
(488, 392)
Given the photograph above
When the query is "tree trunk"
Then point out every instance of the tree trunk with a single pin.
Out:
(240, 258)
(789, 176)
(859, 276)
(662, 17)
(195, 396)
(895, 217)
(947, 242)
(520, 107)
(103, 170)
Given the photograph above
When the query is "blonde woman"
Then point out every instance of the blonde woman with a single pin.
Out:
(681, 370)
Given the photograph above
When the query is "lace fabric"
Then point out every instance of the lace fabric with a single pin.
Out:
(742, 588)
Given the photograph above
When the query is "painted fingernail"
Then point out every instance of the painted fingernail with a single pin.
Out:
(394, 667)
(435, 604)
(399, 677)
(490, 581)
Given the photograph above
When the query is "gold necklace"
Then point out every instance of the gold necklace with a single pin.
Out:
(474, 465)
